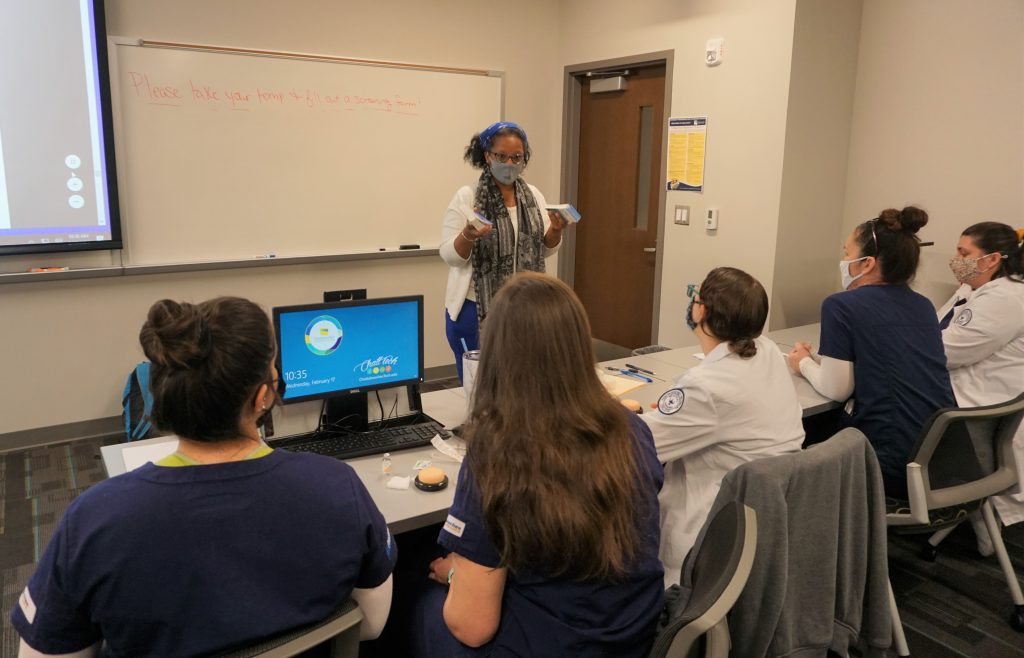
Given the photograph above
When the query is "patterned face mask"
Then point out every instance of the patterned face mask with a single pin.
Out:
(965, 269)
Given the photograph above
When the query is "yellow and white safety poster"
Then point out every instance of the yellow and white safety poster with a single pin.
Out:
(686, 139)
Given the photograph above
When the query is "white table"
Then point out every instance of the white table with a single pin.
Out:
(410, 509)
(812, 402)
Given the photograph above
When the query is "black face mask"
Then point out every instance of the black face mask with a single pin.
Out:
(689, 315)
(262, 419)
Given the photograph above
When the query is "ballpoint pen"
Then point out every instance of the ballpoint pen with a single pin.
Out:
(639, 369)
(630, 373)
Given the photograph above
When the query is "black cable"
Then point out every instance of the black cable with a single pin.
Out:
(381, 405)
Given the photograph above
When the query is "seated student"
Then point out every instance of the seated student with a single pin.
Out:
(983, 333)
(553, 533)
(880, 343)
(224, 542)
(737, 405)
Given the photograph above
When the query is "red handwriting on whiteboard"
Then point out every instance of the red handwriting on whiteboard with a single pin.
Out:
(269, 96)
(143, 87)
(203, 92)
(214, 96)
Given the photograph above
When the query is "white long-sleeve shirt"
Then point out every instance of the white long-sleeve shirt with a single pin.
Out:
(731, 411)
(984, 345)
(460, 272)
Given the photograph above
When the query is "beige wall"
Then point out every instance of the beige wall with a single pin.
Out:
(938, 120)
(73, 343)
(824, 69)
(745, 99)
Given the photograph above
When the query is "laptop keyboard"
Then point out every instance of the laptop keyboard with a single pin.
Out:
(344, 445)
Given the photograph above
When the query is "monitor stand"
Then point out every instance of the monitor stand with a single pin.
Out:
(346, 412)
(351, 411)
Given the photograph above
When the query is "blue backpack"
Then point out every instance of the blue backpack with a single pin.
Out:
(137, 401)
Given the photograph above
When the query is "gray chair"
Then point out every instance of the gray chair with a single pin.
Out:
(820, 576)
(962, 457)
(340, 630)
(721, 565)
(650, 349)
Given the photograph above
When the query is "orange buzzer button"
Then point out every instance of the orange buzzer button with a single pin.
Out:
(431, 478)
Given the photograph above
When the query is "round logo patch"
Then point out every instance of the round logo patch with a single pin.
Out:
(964, 317)
(671, 401)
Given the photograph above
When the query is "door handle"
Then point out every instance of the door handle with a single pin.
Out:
(650, 250)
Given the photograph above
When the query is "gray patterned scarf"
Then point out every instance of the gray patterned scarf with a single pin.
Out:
(495, 256)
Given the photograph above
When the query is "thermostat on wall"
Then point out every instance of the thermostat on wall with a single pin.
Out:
(713, 52)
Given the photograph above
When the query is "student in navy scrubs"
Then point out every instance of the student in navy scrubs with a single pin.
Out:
(553, 534)
(226, 541)
(881, 347)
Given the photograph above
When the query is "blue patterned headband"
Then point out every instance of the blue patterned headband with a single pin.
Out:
(488, 134)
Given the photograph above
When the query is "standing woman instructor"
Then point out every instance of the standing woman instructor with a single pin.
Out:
(522, 234)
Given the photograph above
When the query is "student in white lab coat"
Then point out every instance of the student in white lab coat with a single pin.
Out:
(983, 334)
(737, 405)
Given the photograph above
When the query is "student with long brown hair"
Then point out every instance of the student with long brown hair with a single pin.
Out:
(553, 534)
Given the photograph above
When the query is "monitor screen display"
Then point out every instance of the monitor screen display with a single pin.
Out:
(332, 349)
(57, 179)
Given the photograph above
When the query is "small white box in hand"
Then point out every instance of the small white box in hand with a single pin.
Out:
(566, 211)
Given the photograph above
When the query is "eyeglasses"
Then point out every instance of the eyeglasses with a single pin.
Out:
(691, 290)
(874, 238)
(514, 158)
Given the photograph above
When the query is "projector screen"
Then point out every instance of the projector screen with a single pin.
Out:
(57, 180)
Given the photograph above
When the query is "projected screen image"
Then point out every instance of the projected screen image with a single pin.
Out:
(56, 156)
(330, 348)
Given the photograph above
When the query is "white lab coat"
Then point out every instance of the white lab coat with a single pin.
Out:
(734, 410)
(985, 356)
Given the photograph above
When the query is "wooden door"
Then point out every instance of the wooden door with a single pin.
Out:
(620, 155)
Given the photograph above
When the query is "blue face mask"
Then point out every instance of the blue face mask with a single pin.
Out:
(689, 316)
(506, 173)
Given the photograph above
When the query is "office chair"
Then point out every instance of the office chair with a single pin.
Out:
(962, 457)
(721, 565)
(340, 630)
(820, 576)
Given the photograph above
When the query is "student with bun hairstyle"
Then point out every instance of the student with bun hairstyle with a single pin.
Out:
(736, 406)
(983, 335)
(881, 347)
(552, 538)
(226, 541)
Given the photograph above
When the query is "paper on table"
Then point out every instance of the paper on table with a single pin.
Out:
(454, 448)
(135, 456)
(618, 385)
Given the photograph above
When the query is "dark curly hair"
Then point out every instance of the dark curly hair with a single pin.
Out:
(208, 359)
(892, 239)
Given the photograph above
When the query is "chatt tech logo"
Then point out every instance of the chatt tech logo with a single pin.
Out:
(323, 335)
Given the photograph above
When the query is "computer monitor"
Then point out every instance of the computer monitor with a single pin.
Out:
(339, 351)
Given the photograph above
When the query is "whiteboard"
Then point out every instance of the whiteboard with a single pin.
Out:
(230, 156)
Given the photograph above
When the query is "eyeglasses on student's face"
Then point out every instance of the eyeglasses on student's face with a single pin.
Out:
(514, 158)
(692, 290)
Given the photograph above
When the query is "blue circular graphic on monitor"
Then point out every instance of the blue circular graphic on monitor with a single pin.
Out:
(323, 335)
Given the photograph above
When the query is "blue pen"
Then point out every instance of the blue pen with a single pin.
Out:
(630, 373)
(465, 348)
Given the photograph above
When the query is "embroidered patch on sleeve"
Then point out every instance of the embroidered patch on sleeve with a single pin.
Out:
(27, 605)
(671, 401)
(454, 526)
(964, 317)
